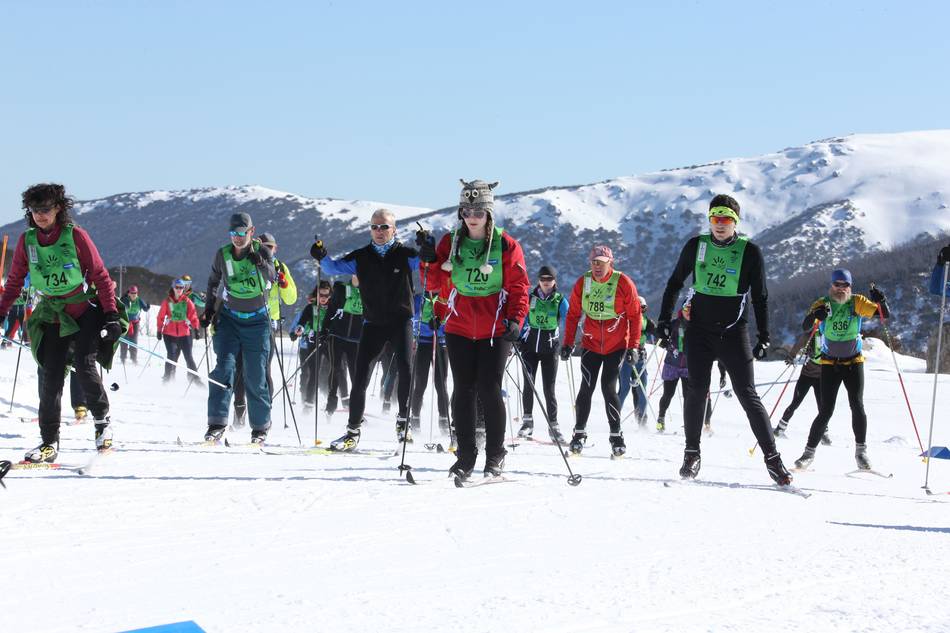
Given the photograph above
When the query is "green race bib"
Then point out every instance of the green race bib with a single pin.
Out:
(717, 268)
(54, 269)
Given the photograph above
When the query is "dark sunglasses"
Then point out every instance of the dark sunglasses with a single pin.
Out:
(840, 284)
(234, 233)
(473, 213)
(43, 210)
(545, 278)
(380, 227)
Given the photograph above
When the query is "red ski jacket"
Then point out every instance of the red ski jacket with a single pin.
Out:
(176, 328)
(604, 337)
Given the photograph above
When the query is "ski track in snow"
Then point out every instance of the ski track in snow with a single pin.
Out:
(240, 541)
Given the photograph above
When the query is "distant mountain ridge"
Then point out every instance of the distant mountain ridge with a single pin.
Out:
(808, 207)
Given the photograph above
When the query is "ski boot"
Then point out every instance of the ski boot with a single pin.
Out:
(42, 454)
(258, 436)
(462, 468)
(495, 465)
(80, 412)
(577, 442)
(779, 430)
(691, 464)
(527, 427)
(618, 447)
(103, 435)
(660, 424)
(861, 456)
(803, 462)
(555, 432)
(415, 423)
(777, 470)
(347, 442)
(403, 432)
(214, 433)
(825, 440)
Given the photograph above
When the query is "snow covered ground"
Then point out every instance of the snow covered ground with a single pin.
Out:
(237, 541)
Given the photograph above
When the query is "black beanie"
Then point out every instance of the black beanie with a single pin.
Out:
(548, 271)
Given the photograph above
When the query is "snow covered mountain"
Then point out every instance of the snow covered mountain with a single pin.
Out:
(809, 207)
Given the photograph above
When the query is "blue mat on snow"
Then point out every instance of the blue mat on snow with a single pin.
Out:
(938, 452)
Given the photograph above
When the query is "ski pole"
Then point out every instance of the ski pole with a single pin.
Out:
(280, 366)
(434, 394)
(149, 359)
(570, 378)
(19, 350)
(175, 363)
(659, 369)
(802, 353)
(403, 466)
(933, 400)
(642, 387)
(572, 479)
(900, 375)
(188, 386)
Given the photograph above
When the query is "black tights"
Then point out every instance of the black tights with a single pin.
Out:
(591, 363)
(832, 376)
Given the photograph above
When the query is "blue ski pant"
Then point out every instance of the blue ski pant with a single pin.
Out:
(250, 338)
(628, 381)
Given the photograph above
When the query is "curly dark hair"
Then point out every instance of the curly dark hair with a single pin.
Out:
(45, 194)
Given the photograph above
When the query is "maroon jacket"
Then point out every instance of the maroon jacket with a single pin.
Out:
(90, 263)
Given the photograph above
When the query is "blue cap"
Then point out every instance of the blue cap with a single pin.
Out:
(841, 274)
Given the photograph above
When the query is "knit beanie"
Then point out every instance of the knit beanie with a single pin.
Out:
(476, 194)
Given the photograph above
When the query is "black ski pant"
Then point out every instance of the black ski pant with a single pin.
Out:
(52, 354)
(669, 390)
(372, 340)
(176, 346)
(548, 364)
(126, 350)
(591, 365)
(309, 372)
(76, 397)
(832, 377)
(732, 347)
(421, 381)
(342, 363)
(478, 367)
(801, 390)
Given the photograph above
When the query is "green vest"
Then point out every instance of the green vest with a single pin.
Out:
(427, 312)
(354, 301)
(643, 331)
(598, 298)
(54, 270)
(242, 278)
(317, 321)
(467, 278)
(842, 324)
(133, 308)
(178, 311)
(716, 271)
(543, 313)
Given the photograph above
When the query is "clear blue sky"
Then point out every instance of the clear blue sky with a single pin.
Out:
(394, 101)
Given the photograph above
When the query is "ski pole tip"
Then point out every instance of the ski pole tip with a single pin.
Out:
(114, 386)
(574, 480)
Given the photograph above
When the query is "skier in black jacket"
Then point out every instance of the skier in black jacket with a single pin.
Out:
(726, 268)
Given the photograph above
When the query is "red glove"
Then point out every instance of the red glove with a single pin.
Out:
(281, 279)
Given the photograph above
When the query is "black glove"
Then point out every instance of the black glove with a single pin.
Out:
(317, 251)
(943, 256)
(207, 318)
(876, 295)
(255, 257)
(196, 333)
(512, 331)
(112, 329)
(426, 245)
(821, 312)
(629, 355)
(642, 355)
(158, 336)
(293, 336)
(664, 332)
(761, 348)
(566, 351)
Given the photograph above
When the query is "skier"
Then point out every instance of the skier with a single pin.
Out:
(540, 345)
(809, 378)
(429, 332)
(385, 268)
(284, 290)
(725, 268)
(344, 325)
(197, 298)
(840, 315)
(936, 275)
(308, 327)
(675, 370)
(608, 300)
(634, 376)
(482, 276)
(134, 306)
(176, 324)
(243, 272)
(59, 258)
(15, 321)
